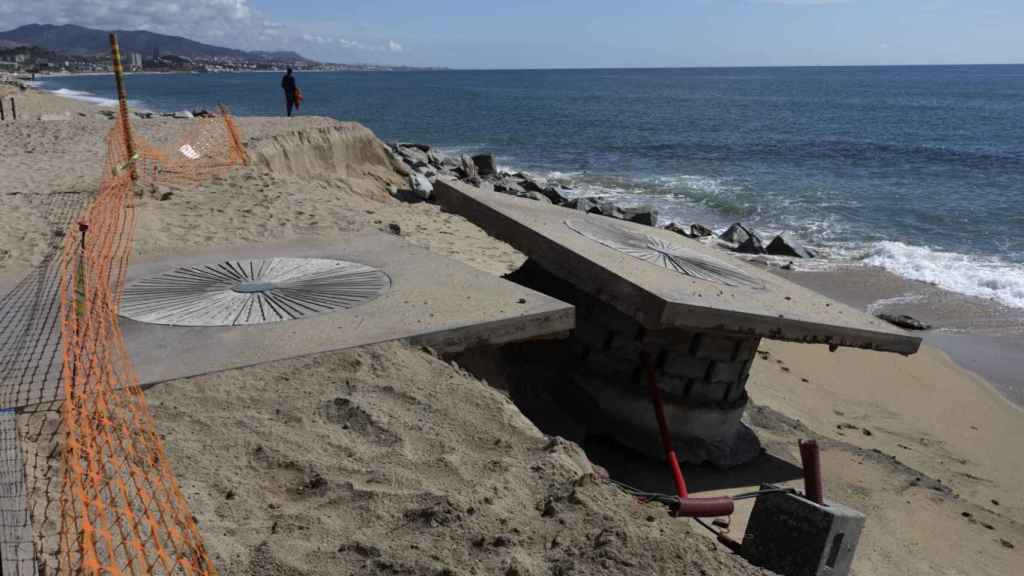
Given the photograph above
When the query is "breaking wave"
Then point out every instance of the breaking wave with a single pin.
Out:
(984, 277)
(85, 97)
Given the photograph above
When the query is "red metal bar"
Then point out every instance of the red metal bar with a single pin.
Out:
(688, 507)
(811, 459)
(705, 507)
(666, 436)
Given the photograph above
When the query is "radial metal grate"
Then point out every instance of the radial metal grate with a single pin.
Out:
(659, 252)
(242, 292)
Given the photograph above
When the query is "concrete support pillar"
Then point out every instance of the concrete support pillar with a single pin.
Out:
(703, 376)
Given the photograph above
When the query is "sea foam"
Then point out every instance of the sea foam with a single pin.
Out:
(985, 277)
(85, 97)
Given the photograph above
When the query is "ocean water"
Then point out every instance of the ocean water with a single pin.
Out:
(919, 170)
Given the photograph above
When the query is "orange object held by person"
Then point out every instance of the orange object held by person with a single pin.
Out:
(298, 98)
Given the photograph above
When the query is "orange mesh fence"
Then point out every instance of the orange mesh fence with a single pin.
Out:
(122, 511)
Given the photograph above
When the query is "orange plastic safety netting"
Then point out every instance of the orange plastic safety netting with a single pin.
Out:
(122, 511)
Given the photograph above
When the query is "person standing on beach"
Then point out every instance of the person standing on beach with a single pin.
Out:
(290, 91)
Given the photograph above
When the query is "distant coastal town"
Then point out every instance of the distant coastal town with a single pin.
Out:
(44, 49)
(28, 60)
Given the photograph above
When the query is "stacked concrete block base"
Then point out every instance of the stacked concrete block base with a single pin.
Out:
(702, 376)
(794, 536)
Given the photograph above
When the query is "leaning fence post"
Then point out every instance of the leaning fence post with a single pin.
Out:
(122, 101)
(14, 111)
(1, 110)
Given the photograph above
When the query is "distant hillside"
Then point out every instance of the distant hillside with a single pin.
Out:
(81, 41)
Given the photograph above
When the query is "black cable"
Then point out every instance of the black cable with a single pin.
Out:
(671, 499)
(710, 529)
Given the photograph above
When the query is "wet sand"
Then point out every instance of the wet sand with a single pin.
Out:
(983, 336)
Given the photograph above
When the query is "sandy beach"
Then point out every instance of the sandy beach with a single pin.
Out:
(390, 460)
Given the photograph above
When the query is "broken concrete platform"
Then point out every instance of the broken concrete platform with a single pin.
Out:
(431, 301)
(698, 313)
(660, 298)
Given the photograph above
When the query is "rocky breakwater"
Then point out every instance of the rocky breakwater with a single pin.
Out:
(426, 165)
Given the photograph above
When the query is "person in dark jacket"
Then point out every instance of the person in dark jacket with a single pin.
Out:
(290, 90)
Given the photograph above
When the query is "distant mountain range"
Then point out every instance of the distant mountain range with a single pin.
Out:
(81, 41)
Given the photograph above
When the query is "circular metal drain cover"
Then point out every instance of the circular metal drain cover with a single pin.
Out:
(241, 292)
(659, 252)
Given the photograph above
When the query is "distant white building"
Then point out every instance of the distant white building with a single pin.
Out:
(135, 61)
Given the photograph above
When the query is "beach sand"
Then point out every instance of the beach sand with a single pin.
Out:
(389, 460)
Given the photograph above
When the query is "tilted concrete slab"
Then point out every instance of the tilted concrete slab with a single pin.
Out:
(761, 305)
(432, 301)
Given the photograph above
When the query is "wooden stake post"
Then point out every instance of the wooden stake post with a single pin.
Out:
(122, 99)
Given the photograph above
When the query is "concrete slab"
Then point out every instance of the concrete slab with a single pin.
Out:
(701, 289)
(432, 301)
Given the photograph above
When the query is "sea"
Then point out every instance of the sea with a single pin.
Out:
(916, 170)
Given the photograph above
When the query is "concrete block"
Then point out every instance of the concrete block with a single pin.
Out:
(793, 536)
(674, 390)
(595, 336)
(719, 348)
(728, 372)
(704, 393)
(748, 348)
(677, 363)
(615, 320)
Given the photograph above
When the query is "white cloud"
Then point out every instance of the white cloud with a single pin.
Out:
(232, 23)
(201, 19)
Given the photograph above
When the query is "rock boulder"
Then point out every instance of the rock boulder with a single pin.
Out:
(586, 204)
(904, 321)
(673, 227)
(553, 194)
(485, 164)
(699, 231)
(736, 234)
(421, 186)
(509, 186)
(786, 245)
(752, 245)
(467, 169)
(644, 214)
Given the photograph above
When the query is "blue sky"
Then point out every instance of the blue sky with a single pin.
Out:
(575, 33)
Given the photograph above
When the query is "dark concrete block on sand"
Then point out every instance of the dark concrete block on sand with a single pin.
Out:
(794, 536)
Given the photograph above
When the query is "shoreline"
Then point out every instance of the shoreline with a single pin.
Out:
(963, 324)
(981, 336)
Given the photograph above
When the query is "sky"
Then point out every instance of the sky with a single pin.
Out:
(573, 33)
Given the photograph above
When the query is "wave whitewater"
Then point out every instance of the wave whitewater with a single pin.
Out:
(715, 203)
(984, 277)
(83, 96)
